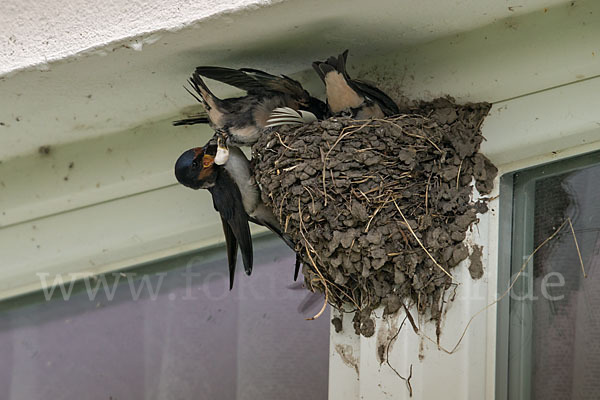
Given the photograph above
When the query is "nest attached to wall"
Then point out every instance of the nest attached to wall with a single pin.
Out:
(379, 209)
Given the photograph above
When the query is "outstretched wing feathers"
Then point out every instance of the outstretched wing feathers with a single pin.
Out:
(253, 81)
(289, 116)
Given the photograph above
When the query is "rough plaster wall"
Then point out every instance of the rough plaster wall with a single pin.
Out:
(35, 32)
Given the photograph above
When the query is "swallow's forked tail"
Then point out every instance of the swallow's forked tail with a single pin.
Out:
(207, 98)
(332, 64)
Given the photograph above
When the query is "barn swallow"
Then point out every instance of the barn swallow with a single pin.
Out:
(346, 96)
(242, 119)
(235, 195)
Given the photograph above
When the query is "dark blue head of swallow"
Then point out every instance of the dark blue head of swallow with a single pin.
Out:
(196, 168)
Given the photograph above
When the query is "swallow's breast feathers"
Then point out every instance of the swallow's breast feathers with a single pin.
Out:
(344, 93)
(340, 95)
(238, 167)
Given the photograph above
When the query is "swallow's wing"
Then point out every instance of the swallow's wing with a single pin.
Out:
(200, 118)
(261, 81)
(388, 106)
(254, 81)
(285, 84)
(264, 78)
(234, 77)
(289, 116)
(232, 249)
(241, 230)
(297, 267)
(265, 217)
(227, 200)
(191, 121)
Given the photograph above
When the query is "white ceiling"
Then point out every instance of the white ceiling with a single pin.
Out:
(128, 81)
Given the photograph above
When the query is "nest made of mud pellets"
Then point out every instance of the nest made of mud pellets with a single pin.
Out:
(379, 209)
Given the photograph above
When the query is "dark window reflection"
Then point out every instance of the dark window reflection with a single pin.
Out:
(554, 323)
(566, 318)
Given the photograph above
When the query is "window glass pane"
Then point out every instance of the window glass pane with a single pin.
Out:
(554, 339)
(173, 332)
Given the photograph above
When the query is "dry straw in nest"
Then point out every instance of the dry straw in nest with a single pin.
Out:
(379, 209)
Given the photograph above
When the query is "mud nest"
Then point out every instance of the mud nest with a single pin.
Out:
(379, 209)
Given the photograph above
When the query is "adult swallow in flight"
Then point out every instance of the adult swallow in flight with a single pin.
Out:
(235, 195)
(241, 120)
(346, 96)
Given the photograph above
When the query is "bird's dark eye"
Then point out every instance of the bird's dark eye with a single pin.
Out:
(195, 164)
